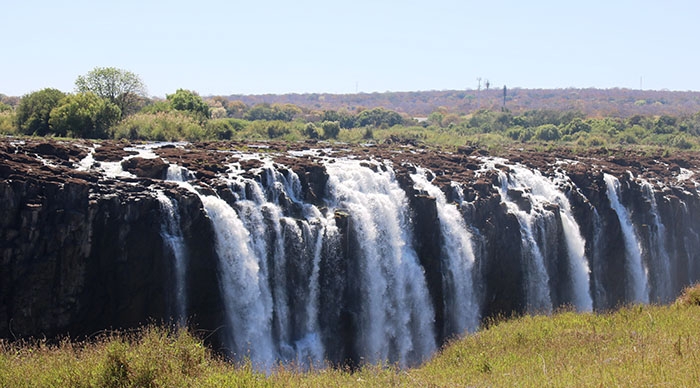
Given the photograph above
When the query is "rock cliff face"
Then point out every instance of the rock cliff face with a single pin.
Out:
(309, 252)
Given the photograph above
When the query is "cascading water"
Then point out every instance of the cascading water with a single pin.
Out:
(172, 236)
(295, 318)
(302, 284)
(599, 293)
(243, 280)
(244, 286)
(537, 279)
(636, 272)
(662, 285)
(177, 173)
(540, 192)
(461, 306)
(397, 319)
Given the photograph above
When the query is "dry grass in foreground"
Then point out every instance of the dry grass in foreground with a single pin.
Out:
(635, 346)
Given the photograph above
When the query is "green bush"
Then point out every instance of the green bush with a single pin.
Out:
(162, 126)
(34, 111)
(596, 141)
(224, 129)
(311, 131)
(515, 132)
(84, 115)
(577, 125)
(189, 101)
(7, 123)
(526, 135)
(330, 129)
(681, 141)
(157, 106)
(276, 129)
(547, 132)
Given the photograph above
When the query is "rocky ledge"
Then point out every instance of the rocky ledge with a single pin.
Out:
(81, 233)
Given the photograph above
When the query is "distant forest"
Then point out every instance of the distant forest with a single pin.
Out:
(112, 103)
(591, 102)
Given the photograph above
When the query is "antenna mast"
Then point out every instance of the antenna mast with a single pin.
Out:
(478, 95)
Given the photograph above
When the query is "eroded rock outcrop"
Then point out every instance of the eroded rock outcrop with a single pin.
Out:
(83, 248)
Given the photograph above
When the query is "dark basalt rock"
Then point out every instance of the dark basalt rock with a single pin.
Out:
(112, 152)
(146, 168)
(81, 253)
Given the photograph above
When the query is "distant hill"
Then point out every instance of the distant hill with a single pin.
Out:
(592, 102)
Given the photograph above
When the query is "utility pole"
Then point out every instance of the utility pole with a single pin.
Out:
(478, 95)
(504, 96)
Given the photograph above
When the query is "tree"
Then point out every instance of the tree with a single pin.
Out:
(547, 132)
(121, 87)
(330, 129)
(185, 100)
(84, 115)
(311, 131)
(33, 111)
(577, 125)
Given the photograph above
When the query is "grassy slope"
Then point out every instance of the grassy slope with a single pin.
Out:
(635, 346)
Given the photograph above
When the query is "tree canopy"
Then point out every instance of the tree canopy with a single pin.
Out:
(84, 115)
(185, 100)
(34, 110)
(121, 87)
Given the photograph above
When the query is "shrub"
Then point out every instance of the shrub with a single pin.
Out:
(162, 126)
(7, 123)
(276, 129)
(514, 132)
(185, 100)
(330, 129)
(156, 107)
(224, 128)
(84, 115)
(526, 134)
(311, 131)
(577, 125)
(690, 296)
(681, 141)
(596, 141)
(547, 132)
(34, 111)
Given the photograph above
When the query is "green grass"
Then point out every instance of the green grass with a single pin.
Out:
(636, 346)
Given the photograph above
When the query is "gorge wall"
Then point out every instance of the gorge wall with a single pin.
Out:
(312, 253)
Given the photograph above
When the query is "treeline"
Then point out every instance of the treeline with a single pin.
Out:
(111, 103)
(591, 102)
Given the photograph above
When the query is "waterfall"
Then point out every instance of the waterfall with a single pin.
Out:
(536, 277)
(599, 293)
(172, 235)
(396, 319)
(244, 286)
(88, 161)
(261, 207)
(535, 221)
(461, 306)
(636, 272)
(660, 259)
(177, 173)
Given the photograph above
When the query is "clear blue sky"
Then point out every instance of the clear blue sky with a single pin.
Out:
(254, 47)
